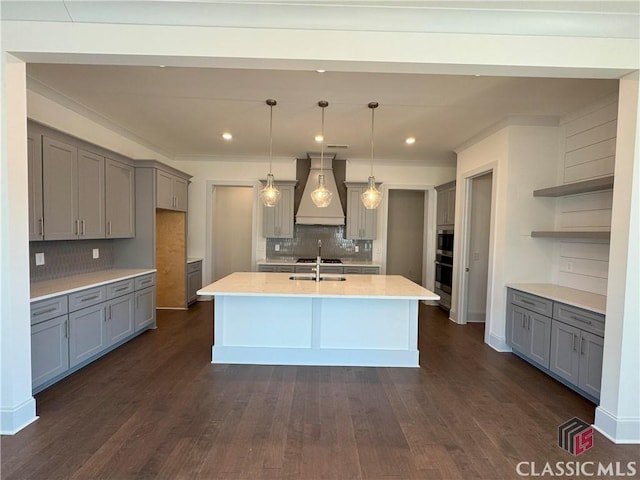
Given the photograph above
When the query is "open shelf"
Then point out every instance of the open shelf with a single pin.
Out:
(579, 235)
(595, 185)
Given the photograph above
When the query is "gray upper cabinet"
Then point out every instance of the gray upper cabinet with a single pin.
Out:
(36, 213)
(119, 199)
(361, 222)
(171, 191)
(446, 209)
(73, 192)
(278, 220)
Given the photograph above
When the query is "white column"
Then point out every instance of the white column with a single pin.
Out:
(17, 405)
(618, 416)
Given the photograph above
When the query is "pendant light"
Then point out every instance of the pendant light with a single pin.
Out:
(321, 196)
(270, 194)
(372, 197)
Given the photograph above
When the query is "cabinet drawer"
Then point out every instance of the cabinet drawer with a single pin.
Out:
(86, 298)
(583, 319)
(120, 288)
(286, 268)
(266, 268)
(331, 269)
(353, 270)
(371, 270)
(145, 281)
(46, 309)
(531, 302)
(194, 266)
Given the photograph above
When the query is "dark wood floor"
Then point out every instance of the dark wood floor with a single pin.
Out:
(157, 408)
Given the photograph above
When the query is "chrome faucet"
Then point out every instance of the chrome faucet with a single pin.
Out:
(318, 261)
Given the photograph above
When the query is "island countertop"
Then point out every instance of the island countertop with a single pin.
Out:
(355, 286)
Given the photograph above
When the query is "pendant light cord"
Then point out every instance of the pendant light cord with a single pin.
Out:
(372, 115)
(270, 136)
(322, 144)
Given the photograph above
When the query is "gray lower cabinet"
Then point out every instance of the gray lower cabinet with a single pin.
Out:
(145, 308)
(281, 268)
(567, 346)
(87, 333)
(194, 280)
(120, 319)
(70, 330)
(49, 350)
(576, 356)
(358, 270)
(529, 333)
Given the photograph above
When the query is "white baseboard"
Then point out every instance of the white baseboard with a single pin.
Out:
(12, 420)
(498, 344)
(617, 429)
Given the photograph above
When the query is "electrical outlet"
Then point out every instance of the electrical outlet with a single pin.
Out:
(96, 253)
(357, 248)
(39, 259)
(277, 247)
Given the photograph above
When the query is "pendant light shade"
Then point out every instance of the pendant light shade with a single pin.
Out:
(372, 197)
(270, 195)
(322, 196)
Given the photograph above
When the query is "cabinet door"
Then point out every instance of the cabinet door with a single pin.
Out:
(590, 363)
(278, 220)
(59, 189)
(180, 194)
(354, 218)
(369, 223)
(90, 195)
(564, 358)
(516, 331)
(442, 208)
(36, 214)
(164, 190)
(119, 199)
(87, 333)
(145, 313)
(49, 350)
(450, 216)
(539, 335)
(120, 317)
(194, 283)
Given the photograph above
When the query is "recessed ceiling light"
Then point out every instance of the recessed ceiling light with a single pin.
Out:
(318, 138)
(320, 71)
(227, 136)
(410, 140)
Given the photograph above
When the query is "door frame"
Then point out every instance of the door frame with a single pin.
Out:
(428, 232)
(207, 264)
(462, 242)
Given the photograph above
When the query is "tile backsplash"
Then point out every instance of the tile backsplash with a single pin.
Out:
(305, 244)
(69, 257)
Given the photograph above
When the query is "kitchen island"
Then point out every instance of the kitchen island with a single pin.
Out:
(363, 320)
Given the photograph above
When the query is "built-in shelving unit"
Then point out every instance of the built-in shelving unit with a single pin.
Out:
(586, 186)
(579, 235)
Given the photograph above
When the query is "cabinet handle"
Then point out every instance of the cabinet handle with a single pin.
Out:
(41, 221)
(92, 297)
(138, 302)
(528, 302)
(109, 312)
(83, 228)
(66, 329)
(581, 345)
(578, 319)
(573, 343)
(48, 310)
(120, 289)
(109, 228)
(77, 227)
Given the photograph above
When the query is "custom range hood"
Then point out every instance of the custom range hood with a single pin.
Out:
(308, 213)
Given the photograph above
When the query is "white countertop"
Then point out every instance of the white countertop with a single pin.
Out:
(571, 296)
(74, 283)
(356, 286)
(193, 259)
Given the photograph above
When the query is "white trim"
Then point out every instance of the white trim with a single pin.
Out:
(617, 429)
(497, 343)
(12, 420)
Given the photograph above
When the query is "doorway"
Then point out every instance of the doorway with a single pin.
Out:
(232, 236)
(405, 234)
(477, 267)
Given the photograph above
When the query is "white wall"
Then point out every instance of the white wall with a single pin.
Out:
(587, 151)
(522, 159)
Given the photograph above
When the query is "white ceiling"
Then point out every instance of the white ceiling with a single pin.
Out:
(183, 111)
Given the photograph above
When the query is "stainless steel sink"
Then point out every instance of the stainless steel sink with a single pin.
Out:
(332, 278)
